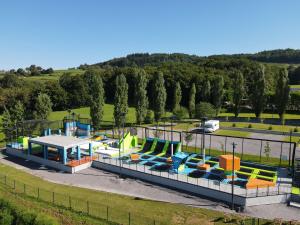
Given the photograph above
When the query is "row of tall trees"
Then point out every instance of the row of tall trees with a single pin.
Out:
(154, 89)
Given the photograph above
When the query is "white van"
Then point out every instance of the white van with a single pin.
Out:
(211, 126)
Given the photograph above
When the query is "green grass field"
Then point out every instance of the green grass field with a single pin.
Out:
(108, 114)
(295, 86)
(259, 126)
(263, 115)
(232, 133)
(165, 213)
(54, 76)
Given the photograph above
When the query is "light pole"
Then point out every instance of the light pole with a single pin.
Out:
(203, 119)
(123, 121)
(172, 150)
(232, 177)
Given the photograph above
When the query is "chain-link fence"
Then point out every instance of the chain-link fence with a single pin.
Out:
(279, 189)
(258, 150)
(94, 209)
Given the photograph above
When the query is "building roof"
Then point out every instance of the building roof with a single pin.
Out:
(59, 141)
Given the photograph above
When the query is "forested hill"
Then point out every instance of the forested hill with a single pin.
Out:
(287, 56)
(143, 59)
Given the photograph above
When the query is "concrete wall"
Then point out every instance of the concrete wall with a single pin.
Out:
(193, 189)
(174, 184)
(52, 164)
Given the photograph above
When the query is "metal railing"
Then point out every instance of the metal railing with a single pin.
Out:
(201, 182)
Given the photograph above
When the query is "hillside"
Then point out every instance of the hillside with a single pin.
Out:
(284, 56)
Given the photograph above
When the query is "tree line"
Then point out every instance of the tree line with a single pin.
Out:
(183, 86)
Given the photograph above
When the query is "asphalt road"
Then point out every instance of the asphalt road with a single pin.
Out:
(247, 146)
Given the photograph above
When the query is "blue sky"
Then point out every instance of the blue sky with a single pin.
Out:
(67, 33)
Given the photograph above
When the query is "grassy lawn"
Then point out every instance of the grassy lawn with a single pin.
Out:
(295, 86)
(294, 139)
(140, 209)
(260, 126)
(233, 133)
(263, 115)
(60, 215)
(108, 114)
(54, 76)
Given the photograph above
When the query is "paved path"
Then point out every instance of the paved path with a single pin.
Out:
(100, 180)
(252, 147)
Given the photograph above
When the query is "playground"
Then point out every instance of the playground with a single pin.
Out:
(73, 146)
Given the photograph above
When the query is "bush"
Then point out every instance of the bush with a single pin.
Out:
(26, 218)
(205, 109)
(181, 113)
(233, 125)
(270, 128)
(5, 217)
(149, 117)
(250, 125)
(296, 129)
(42, 219)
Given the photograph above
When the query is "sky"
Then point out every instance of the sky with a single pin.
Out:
(66, 33)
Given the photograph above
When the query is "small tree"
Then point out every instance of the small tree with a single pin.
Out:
(217, 93)
(43, 106)
(97, 101)
(7, 122)
(121, 99)
(17, 112)
(177, 97)
(205, 94)
(160, 96)
(258, 90)
(192, 101)
(141, 103)
(267, 150)
(238, 92)
(188, 137)
(282, 92)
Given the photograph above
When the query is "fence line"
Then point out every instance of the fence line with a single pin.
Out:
(90, 208)
(211, 184)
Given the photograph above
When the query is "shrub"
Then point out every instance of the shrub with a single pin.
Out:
(181, 113)
(296, 129)
(205, 109)
(233, 125)
(149, 118)
(42, 219)
(26, 218)
(270, 128)
(250, 125)
(5, 217)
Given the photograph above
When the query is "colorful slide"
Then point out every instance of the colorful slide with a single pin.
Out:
(128, 142)
(176, 148)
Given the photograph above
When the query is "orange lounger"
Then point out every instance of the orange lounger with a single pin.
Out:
(135, 157)
(258, 183)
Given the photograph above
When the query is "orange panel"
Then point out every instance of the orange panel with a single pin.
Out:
(134, 157)
(258, 183)
(203, 167)
(225, 162)
(169, 160)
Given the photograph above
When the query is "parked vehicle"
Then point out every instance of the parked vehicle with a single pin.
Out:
(211, 126)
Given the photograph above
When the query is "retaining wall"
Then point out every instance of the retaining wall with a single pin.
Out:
(193, 189)
(49, 163)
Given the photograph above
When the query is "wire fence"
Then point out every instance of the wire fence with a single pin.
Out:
(269, 152)
(90, 208)
(279, 189)
(106, 212)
